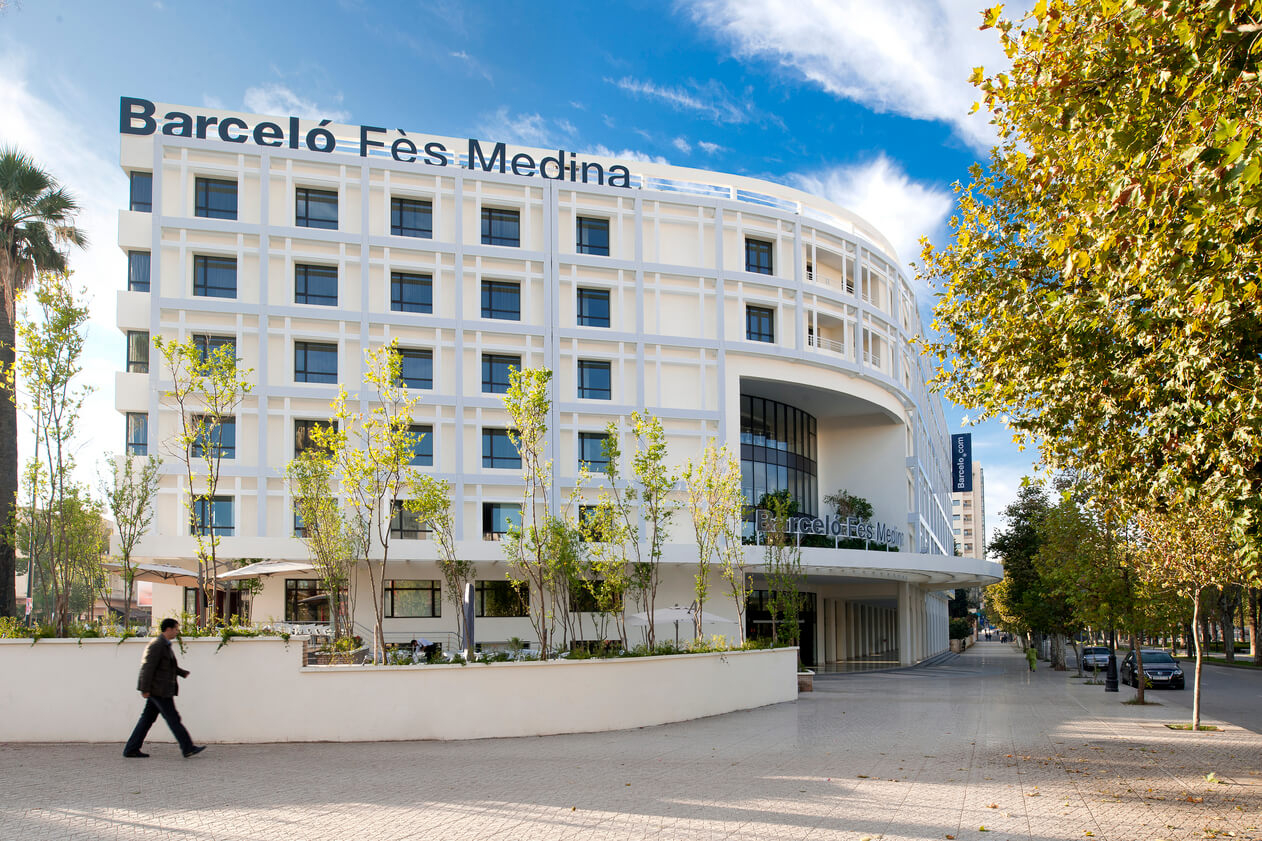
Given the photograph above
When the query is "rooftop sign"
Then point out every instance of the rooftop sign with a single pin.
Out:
(839, 528)
(139, 117)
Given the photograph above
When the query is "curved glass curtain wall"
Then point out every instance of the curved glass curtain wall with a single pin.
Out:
(778, 451)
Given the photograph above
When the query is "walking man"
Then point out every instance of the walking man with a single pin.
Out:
(159, 672)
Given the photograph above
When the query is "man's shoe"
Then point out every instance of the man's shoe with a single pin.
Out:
(135, 754)
(193, 751)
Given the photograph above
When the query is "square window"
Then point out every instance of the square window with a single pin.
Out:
(501, 299)
(137, 351)
(499, 451)
(315, 362)
(315, 209)
(501, 227)
(594, 380)
(222, 438)
(591, 451)
(212, 515)
(301, 604)
(497, 599)
(405, 524)
(411, 218)
(214, 277)
(302, 433)
(416, 368)
(496, 370)
(413, 599)
(757, 256)
(315, 285)
(498, 517)
(207, 345)
(141, 198)
(593, 307)
(760, 324)
(593, 236)
(137, 433)
(411, 292)
(215, 199)
(422, 445)
(138, 264)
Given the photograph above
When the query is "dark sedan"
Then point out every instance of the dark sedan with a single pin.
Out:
(1160, 669)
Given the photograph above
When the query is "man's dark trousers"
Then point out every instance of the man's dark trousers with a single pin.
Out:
(154, 707)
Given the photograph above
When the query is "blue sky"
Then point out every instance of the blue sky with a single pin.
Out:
(864, 102)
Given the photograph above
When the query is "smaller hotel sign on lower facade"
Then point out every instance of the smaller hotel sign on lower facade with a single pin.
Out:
(962, 462)
(842, 528)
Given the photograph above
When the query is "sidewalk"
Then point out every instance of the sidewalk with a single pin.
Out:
(946, 750)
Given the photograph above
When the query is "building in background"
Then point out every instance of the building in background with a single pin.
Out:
(732, 308)
(968, 516)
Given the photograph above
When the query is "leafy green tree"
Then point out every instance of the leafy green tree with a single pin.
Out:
(1101, 289)
(782, 567)
(129, 494)
(607, 529)
(36, 221)
(207, 389)
(329, 533)
(715, 500)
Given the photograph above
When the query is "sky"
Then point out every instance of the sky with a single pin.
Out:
(863, 102)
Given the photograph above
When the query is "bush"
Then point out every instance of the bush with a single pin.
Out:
(961, 629)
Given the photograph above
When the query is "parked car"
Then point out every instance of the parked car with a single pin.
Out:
(1160, 669)
(1094, 657)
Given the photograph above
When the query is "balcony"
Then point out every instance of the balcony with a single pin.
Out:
(826, 344)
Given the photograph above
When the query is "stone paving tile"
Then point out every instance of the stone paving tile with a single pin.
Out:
(976, 749)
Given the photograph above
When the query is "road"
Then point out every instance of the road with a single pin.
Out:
(976, 749)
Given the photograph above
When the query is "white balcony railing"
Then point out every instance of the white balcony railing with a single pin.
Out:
(830, 345)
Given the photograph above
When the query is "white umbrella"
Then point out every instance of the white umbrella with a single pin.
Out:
(675, 614)
(160, 573)
(267, 568)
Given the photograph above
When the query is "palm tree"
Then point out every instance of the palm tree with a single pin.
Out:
(36, 218)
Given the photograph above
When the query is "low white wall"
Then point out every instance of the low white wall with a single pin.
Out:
(255, 690)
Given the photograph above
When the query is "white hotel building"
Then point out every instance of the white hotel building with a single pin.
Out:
(731, 308)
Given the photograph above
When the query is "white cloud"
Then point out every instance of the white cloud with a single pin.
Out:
(276, 99)
(626, 154)
(909, 57)
(711, 100)
(710, 148)
(209, 101)
(522, 129)
(567, 127)
(880, 192)
(682, 144)
(68, 149)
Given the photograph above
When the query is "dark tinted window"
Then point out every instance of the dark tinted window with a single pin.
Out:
(593, 380)
(141, 192)
(499, 598)
(315, 362)
(138, 265)
(495, 372)
(593, 307)
(411, 292)
(500, 227)
(212, 515)
(315, 209)
(423, 446)
(215, 199)
(498, 450)
(411, 218)
(760, 324)
(302, 433)
(221, 437)
(757, 256)
(215, 277)
(591, 450)
(416, 368)
(420, 599)
(501, 299)
(207, 345)
(405, 524)
(315, 285)
(497, 517)
(138, 351)
(593, 236)
(137, 434)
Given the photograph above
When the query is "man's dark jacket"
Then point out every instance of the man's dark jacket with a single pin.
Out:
(159, 669)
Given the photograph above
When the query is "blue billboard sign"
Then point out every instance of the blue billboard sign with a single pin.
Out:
(962, 462)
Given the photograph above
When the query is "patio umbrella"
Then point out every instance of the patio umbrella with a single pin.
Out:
(674, 614)
(267, 568)
(159, 573)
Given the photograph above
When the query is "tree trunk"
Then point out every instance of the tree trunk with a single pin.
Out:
(1252, 621)
(1196, 685)
(1140, 680)
(1058, 652)
(8, 472)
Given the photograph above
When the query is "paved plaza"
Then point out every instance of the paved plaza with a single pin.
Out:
(976, 748)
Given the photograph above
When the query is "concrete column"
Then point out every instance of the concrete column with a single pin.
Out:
(830, 630)
(839, 629)
(852, 631)
(904, 624)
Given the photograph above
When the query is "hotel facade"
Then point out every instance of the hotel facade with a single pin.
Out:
(731, 308)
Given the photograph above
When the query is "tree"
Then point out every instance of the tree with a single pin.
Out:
(1187, 548)
(207, 389)
(330, 536)
(36, 219)
(373, 452)
(49, 363)
(1101, 290)
(129, 494)
(715, 502)
(435, 497)
(608, 531)
(783, 570)
(65, 570)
